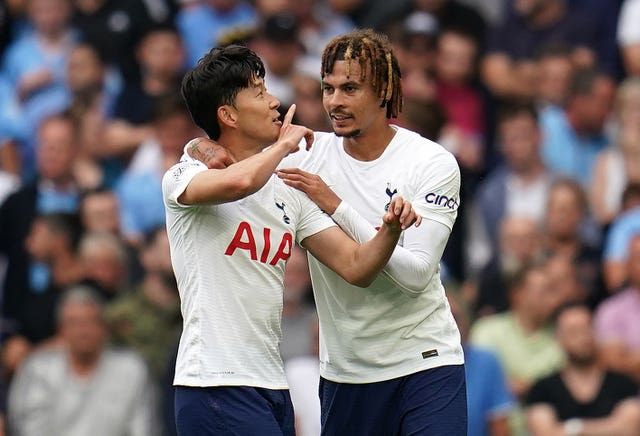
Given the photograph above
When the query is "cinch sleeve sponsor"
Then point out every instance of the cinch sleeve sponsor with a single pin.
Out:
(438, 195)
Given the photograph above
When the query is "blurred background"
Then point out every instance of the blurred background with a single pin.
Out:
(539, 100)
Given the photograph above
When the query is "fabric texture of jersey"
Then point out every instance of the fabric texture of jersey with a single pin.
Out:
(229, 261)
(378, 333)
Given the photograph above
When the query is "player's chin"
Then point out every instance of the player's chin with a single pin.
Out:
(347, 133)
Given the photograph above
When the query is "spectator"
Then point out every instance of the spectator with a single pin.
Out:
(582, 398)
(53, 265)
(370, 13)
(204, 24)
(567, 285)
(519, 244)
(414, 41)
(92, 93)
(105, 261)
(308, 95)
(278, 45)
(509, 68)
(521, 337)
(55, 190)
(574, 136)
(620, 233)
(99, 211)
(452, 14)
(319, 23)
(617, 322)
(618, 165)
(455, 69)
(35, 67)
(568, 233)
(139, 189)
(160, 57)
(82, 387)
(115, 27)
(147, 319)
(489, 400)
(555, 71)
(517, 187)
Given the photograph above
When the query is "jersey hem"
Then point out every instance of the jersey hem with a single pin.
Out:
(390, 375)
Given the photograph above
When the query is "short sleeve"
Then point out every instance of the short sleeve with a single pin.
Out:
(312, 219)
(539, 392)
(176, 180)
(438, 195)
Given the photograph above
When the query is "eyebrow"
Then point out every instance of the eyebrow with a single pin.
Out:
(347, 83)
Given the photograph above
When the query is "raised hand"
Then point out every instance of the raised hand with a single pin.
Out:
(401, 215)
(292, 134)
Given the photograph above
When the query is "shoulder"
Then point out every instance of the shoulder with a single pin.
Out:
(178, 171)
(542, 387)
(616, 304)
(424, 152)
(619, 378)
(491, 325)
(45, 360)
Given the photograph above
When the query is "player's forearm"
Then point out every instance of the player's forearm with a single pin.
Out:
(236, 181)
(370, 257)
(410, 270)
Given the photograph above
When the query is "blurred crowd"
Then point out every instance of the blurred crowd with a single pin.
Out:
(539, 100)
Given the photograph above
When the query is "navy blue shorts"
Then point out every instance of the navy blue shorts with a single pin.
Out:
(233, 410)
(431, 402)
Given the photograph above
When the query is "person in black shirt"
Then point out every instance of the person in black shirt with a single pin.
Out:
(583, 398)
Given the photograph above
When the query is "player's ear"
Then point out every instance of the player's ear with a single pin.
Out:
(227, 116)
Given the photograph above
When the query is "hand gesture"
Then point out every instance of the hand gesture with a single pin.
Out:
(312, 185)
(400, 215)
(291, 134)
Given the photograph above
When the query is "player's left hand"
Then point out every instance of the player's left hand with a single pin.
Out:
(210, 153)
(401, 215)
(312, 185)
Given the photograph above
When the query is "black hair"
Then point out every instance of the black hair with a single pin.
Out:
(216, 80)
(513, 108)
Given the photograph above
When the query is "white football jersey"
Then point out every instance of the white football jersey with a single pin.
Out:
(379, 332)
(229, 260)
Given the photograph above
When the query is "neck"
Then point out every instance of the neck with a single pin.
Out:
(528, 323)
(566, 246)
(53, 37)
(370, 145)
(239, 148)
(575, 123)
(582, 370)
(156, 85)
(531, 172)
(84, 365)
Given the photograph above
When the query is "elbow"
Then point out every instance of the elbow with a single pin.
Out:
(241, 187)
(358, 279)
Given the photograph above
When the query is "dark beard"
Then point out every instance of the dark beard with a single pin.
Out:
(352, 134)
(582, 361)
